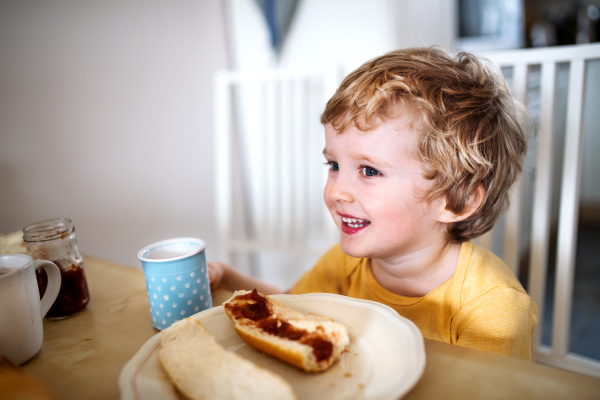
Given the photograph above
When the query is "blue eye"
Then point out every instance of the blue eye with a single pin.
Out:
(369, 171)
(334, 166)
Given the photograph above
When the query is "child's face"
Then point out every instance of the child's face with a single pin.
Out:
(376, 179)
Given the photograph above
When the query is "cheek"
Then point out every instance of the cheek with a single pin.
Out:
(326, 196)
(395, 208)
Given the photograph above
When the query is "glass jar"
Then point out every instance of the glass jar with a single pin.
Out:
(54, 240)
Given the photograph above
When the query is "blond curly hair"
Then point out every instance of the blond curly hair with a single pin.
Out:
(471, 130)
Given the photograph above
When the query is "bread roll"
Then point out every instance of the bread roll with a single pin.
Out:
(311, 342)
(200, 368)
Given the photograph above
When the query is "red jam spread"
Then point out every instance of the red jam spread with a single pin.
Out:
(322, 349)
(73, 295)
(276, 327)
(255, 308)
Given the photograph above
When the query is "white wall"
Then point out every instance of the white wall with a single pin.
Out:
(344, 33)
(424, 23)
(106, 118)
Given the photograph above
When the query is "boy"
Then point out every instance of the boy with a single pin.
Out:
(422, 149)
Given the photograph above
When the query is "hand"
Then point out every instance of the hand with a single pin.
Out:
(223, 276)
(216, 271)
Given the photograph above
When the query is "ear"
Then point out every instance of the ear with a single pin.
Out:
(475, 201)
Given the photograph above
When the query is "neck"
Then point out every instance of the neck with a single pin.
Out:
(417, 273)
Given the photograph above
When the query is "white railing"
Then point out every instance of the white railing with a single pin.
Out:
(547, 59)
(270, 172)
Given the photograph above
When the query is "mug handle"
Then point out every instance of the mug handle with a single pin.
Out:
(54, 280)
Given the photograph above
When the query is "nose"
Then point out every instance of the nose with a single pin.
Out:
(338, 190)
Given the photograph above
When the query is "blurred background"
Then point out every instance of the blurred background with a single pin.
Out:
(106, 107)
(108, 111)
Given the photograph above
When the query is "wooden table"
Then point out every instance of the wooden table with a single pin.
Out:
(82, 356)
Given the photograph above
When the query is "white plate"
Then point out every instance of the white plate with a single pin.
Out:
(385, 358)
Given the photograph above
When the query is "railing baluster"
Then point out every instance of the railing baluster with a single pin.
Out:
(271, 164)
(223, 161)
(285, 176)
(513, 216)
(300, 208)
(569, 211)
(540, 231)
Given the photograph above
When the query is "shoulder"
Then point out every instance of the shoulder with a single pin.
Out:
(480, 271)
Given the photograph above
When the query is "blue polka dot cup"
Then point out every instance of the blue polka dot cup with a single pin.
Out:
(176, 279)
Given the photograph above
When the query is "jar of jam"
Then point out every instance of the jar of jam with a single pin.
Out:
(54, 240)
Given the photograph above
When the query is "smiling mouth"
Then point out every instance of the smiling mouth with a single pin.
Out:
(355, 223)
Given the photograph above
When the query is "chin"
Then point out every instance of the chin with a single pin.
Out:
(353, 250)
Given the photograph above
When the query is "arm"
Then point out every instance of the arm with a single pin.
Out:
(223, 276)
(500, 321)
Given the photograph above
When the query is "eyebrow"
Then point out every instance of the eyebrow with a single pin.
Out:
(364, 157)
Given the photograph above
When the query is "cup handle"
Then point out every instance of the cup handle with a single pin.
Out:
(54, 280)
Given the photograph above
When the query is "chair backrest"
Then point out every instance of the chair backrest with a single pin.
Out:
(270, 174)
(532, 75)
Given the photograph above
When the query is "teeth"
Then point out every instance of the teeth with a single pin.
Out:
(356, 225)
(352, 220)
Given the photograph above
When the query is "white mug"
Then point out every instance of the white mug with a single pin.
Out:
(21, 311)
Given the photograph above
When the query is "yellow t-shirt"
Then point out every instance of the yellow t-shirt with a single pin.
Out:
(483, 306)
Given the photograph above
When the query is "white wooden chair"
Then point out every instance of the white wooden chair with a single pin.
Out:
(536, 217)
(270, 172)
